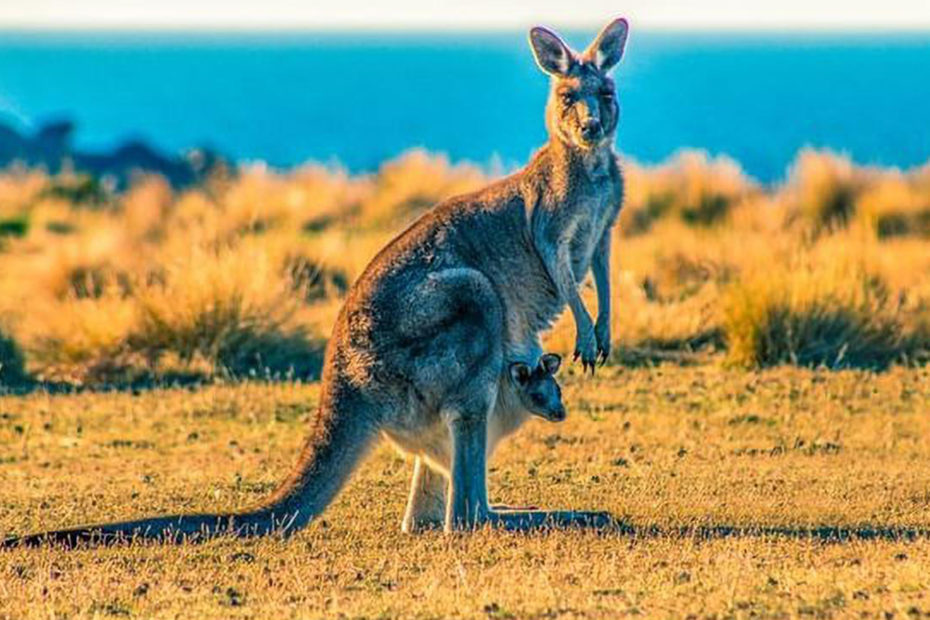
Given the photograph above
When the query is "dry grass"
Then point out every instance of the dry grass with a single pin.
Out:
(731, 483)
(244, 275)
(818, 312)
(897, 205)
(823, 188)
(680, 454)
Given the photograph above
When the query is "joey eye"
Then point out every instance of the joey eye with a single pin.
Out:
(607, 95)
(567, 99)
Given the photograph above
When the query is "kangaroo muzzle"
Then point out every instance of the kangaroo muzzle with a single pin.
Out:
(554, 415)
(590, 129)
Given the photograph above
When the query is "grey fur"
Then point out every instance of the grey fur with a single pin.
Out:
(420, 349)
(536, 388)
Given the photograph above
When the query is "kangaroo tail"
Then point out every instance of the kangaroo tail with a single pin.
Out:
(341, 435)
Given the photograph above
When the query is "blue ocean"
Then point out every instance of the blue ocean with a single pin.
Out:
(357, 99)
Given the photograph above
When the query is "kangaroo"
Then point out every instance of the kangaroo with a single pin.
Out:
(419, 349)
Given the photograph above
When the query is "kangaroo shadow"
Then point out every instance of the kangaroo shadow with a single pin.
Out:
(824, 533)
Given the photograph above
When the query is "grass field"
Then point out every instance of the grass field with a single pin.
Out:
(776, 493)
(762, 433)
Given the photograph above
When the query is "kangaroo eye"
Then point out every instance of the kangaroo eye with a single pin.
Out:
(608, 95)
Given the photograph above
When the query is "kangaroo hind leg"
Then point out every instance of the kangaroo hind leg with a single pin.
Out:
(467, 507)
(426, 506)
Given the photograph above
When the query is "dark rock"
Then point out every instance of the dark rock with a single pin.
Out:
(52, 148)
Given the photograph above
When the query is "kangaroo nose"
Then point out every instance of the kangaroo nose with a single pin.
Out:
(591, 130)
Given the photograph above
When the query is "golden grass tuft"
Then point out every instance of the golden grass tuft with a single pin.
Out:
(692, 186)
(234, 309)
(406, 187)
(209, 312)
(896, 205)
(831, 315)
(822, 189)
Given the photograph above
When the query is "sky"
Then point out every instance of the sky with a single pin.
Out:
(463, 14)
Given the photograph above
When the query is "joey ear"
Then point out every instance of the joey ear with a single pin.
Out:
(607, 49)
(550, 362)
(552, 54)
(520, 373)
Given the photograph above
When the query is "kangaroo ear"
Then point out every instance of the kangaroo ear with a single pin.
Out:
(552, 55)
(550, 362)
(607, 49)
(520, 373)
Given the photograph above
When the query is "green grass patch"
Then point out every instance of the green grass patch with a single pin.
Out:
(16, 226)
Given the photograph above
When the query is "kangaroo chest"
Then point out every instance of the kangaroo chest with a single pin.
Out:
(589, 217)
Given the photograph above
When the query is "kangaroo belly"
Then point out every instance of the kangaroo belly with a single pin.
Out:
(506, 418)
(417, 434)
(431, 443)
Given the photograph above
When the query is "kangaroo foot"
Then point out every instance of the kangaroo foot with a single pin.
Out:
(528, 520)
(415, 525)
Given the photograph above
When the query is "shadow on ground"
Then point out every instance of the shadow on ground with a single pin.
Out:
(825, 533)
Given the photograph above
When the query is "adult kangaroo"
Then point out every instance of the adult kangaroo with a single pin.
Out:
(420, 350)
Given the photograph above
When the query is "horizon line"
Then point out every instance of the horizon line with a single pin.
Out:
(784, 27)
